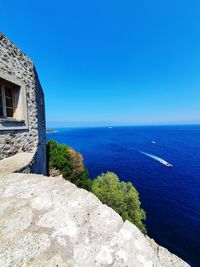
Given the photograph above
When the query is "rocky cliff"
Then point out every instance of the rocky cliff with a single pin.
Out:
(47, 221)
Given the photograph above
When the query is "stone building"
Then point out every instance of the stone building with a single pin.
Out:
(22, 113)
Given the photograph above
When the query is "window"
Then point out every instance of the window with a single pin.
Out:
(13, 103)
(7, 101)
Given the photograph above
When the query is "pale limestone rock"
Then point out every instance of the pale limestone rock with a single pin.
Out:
(50, 222)
(16, 162)
(22, 251)
(16, 222)
(55, 261)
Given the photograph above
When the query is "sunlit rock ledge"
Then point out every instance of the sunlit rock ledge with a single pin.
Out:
(48, 221)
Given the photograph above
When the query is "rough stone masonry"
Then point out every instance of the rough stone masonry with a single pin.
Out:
(27, 131)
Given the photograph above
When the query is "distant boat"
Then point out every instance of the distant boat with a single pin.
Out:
(110, 127)
(162, 161)
(153, 142)
(168, 165)
(51, 131)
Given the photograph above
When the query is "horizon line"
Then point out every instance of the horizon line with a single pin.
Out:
(86, 125)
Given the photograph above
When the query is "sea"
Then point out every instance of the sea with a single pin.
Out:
(170, 195)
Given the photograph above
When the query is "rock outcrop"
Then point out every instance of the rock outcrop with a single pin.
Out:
(47, 221)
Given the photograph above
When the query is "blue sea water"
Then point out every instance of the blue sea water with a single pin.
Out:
(170, 196)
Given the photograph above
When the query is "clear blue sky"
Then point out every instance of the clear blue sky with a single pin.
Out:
(111, 61)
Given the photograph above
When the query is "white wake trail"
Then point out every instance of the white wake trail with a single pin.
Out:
(162, 161)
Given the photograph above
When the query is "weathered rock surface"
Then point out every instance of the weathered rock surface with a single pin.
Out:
(48, 221)
(16, 163)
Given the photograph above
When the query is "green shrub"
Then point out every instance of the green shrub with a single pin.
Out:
(68, 162)
(121, 196)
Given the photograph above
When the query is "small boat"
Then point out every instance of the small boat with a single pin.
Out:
(153, 142)
(168, 165)
(162, 161)
(110, 127)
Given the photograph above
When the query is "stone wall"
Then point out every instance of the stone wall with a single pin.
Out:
(18, 137)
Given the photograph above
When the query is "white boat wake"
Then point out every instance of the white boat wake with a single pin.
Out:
(162, 161)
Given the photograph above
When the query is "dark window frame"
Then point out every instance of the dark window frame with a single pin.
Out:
(5, 106)
(20, 119)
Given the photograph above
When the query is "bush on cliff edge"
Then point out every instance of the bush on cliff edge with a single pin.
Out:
(120, 196)
(68, 162)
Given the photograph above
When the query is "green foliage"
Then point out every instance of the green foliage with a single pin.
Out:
(121, 196)
(69, 163)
